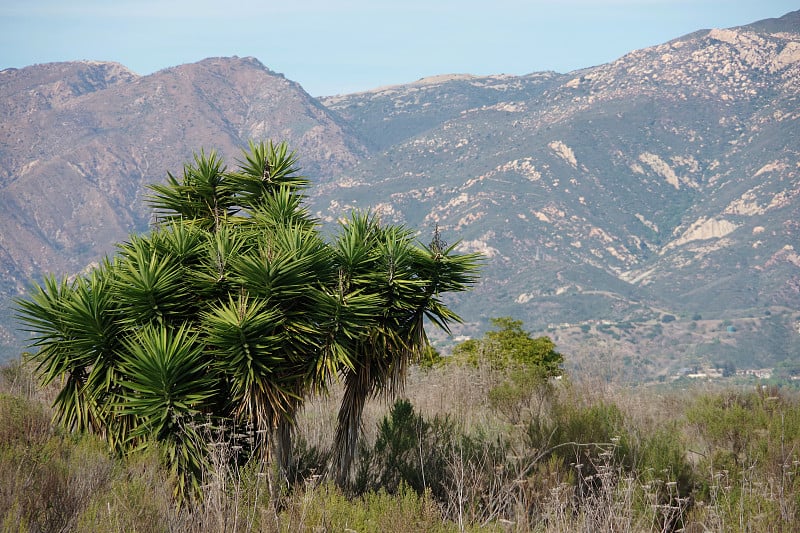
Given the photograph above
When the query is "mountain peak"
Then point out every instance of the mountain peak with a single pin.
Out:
(788, 23)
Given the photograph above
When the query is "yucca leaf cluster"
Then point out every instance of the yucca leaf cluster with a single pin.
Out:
(231, 311)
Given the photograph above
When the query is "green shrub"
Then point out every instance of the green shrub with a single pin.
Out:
(750, 441)
(129, 504)
(666, 475)
(727, 421)
(521, 393)
(22, 422)
(509, 347)
(326, 508)
(430, 358)
(576, 433)
(661, 455)
(409, 451)
(46, 484)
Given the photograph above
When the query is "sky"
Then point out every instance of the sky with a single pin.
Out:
(345, 46)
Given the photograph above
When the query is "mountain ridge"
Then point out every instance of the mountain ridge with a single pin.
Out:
(701, 95)
(664, 183)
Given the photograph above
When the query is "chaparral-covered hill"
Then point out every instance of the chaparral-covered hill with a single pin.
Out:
(645, 213)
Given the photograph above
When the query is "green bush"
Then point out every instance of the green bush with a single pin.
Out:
(521, 394)
(579, 433)
(409, 451)
(509, 347)
(327, 508)
(22, 422)
(129, 504)
(668, 478)
(430, 358)
(45, 483)
(727, 421)
(750, 440)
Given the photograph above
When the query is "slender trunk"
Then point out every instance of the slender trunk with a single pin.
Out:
(283, 448)
(357, 390)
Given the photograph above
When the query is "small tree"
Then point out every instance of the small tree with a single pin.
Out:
(523, 365)
(508, 346)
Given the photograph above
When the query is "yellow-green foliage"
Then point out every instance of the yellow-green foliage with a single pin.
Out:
(137, 498)
(46, 478)
(750, 445)
(326, 508)
(508, 346)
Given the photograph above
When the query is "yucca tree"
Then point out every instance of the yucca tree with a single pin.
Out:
(264, 169)
(255, 271)
(231, 311)
(404, 280)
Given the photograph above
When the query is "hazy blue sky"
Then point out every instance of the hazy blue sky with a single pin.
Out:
(342, 46)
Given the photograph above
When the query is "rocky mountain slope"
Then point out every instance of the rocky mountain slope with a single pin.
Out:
(608, 201)
(665, 183)
(80, 141)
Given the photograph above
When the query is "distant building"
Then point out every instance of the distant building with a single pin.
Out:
(762, 373)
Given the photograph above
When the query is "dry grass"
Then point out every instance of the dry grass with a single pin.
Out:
(605, 458)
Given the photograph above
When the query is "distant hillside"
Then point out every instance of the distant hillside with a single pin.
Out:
(608, 201)
(80, 141)
(663, 183)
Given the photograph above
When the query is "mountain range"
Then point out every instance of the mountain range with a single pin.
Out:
(644, 213)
